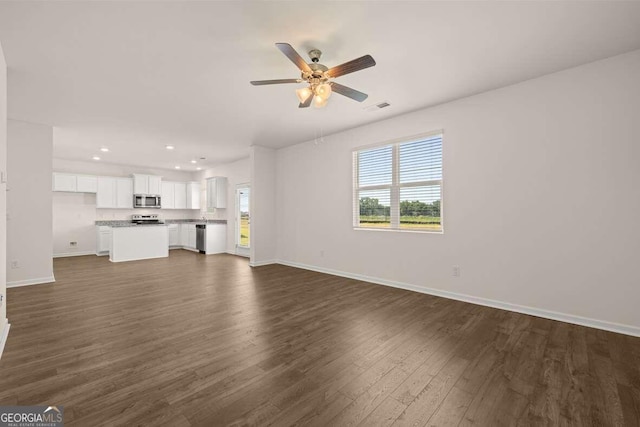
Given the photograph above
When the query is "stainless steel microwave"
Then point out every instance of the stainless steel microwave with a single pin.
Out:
(146, 201)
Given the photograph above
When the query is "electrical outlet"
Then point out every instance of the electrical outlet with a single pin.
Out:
(73, 244)
(455, 271)
(15, 264)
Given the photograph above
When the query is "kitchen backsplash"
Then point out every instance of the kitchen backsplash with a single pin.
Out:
(124, 214)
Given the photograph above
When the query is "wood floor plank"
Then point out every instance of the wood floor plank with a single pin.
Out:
(431, 397)
(207, 340)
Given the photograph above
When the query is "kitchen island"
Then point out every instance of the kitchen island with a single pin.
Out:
(130, 242)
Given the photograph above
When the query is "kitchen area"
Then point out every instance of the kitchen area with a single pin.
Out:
(149, 236)
(141, 216)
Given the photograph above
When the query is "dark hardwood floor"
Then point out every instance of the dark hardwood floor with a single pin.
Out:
(207, 340)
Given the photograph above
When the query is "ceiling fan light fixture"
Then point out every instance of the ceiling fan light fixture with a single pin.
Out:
(318, 77)
(304, 93)
(323, 91)
(319, 102)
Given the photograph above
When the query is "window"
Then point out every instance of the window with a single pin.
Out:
(398, 186)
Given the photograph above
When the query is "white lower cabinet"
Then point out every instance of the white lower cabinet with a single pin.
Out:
(184, 235)
(103, 240)
(216, 238)
(191, 243)
(174, 234)
(188, 236)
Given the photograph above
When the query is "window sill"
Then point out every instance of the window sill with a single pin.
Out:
(396, 230)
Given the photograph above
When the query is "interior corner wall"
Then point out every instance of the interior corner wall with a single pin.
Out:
(3, 198)
(540, 199)
(29, 204)
(263, 206)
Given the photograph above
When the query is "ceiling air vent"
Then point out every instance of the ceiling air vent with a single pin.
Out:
(377, 106)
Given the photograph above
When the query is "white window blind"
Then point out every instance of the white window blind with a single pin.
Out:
(398, 186)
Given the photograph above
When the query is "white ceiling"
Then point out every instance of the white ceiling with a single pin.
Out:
(134, 76)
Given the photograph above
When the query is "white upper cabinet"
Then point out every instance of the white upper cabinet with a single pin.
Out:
(193, 195)
(216, 193)
(146, 184)
(154, 184)
(124, 193)
(140, 184)
(87, 184)
(114, 193)
(75, 183)
(180, 195)
(64, 182)
(167, 195)
(106, 195)
(174, 195)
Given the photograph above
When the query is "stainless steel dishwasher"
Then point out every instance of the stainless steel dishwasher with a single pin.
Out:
(201, 238)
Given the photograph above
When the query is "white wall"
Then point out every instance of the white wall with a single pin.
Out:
(262, 239)
(541, 199)
(3, 200)
(29, 231)
(74, 214)
(237, 172)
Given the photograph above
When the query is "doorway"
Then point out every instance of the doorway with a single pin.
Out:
(243, 218)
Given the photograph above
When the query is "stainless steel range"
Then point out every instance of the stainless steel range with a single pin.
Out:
(146, 219)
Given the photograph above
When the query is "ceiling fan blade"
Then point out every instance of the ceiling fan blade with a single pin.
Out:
(291, 53)
(274, 82)
(348, 92)
(352, 66)
(307, 101)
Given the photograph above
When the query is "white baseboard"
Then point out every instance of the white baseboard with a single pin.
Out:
(29, 282)
(238, 254)
(538, 312)
(4, 335)
(268, 262)
(68, 254)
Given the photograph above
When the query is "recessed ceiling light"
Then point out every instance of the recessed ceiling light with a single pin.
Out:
(194, 161)
(104, 149)
(96, 158)
(177, 167)
(198, 169)
(169, 147)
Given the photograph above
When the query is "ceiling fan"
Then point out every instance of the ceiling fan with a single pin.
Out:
(319, 77)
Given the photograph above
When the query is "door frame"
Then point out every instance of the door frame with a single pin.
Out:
(241, 250)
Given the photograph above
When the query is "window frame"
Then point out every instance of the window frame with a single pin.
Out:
(395, 186)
